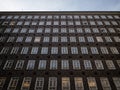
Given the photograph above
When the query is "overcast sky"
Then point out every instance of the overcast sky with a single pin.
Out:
(60, 5)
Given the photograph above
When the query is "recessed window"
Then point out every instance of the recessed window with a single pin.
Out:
(24, 50)
(2, 82)
(4, 50)
(114, 50)
(64, 50)
(34, 50)
(64, 39)
(39, 30)
(47, 30)
(55, 30)
(53, 64)
(55, 39)
(52, 84)
(94, 50)
(65, 83)
(99, 39)
(110, 64)
(27, 23)
(63, 30)
(99, 64)
(46, 39)
(19, 65)
(19, 39)
(10, 39)
(14, 50)
(78, 83)
(104, 50)
(23, 30)
(54, 50)
(77, 23)
(8, 65)
(116, 81)
(87, 30)
(39, 84)
(74, 50)
(37, 39)
(41, 23)
(30, 65)
(42, 65)
(26, 83)
(44, 50)
(79, 30)
(81, 39)
(84, 50)
(76, 64)
(87, 64)
(7, 30)
(90, 39)
(64, 64)
(28, 39)
(116, 38)
(95, 30)
(108, 39)
(19, 22)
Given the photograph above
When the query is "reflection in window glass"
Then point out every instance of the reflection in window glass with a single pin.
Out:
(8, 65)
(54, 50)
(104, 50)
(114, 50)
(26, 83)
(92, 83)
(78, 83)
(42, 65)
(65, 83)
(110, 64)
(64, 50)
(44, 50)
(19, 65)
(30, 65)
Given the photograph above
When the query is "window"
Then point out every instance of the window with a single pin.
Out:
(77, 23)
(71, 30)
(107, 23)
(8, 65)
(2, 17)
(36, 17)
(2, 82)
(108, 39)
(16, 30)
(103, 30)
(19, 39)
(104, 50)
(76, 64)
(81, 39)
(114, 23)
(22, 17)
(12, 23)
(28, 39)
(79, 30)
(90, 39)
(65, 83)
(85, 22)
(76, 17)
(96, 17)
(64, 50)
(63, 30)
(46, 39)
(26, 83)
(7, 30)
(34, 23)
(64, 64)
(56, 23)
(64, 39)
(87, 30)
(63, 22)
(72, 39)
(52, 85)
(99, 64)
(90, 17)
(34, 50)
(114, 50)
(23, 30)
(24, 50)
(118, 62)
(42, 65)
(70, 22)
(4, 50)
(39, 84)
(9, 17)
(105, 83)
(13, 83)
(63, 17)
(31, 31)
(111, 30)
(116, 38)
(55, 39)
(44, 50)
(43, 17)
(103, 17)
(92, 83)
(95, 30)
(30, 65)
(116, 81)
(48, 23)
(56, 17)
(41, 23)
(116, 17)
(39, 30)
(29, 17)
(27, 23)
(99, 39)
(14, 50)
(53, 64)
(110, 64)
(37, 39)
(84, 50)
(10, 39)
(54, 50)
(92, 23)
(87, 64)
(2, 39)
(55, 30)
(19, 65)
(83, 17)
(94, 50)
(19, 22)
(78, 83)
(74, 50)
(49, 17)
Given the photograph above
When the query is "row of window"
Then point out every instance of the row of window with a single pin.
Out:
(62, 30)
(66, 84)
(63, 22)
(61, 17)
(57, 50)
(59, 39)
(65, 64)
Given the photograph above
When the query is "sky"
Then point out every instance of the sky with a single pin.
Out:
(59, 5)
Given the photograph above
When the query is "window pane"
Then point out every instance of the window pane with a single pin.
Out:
(72, 39)
(53, 64)
(8, 65)
(94, 50)
(84, 50)
(92, 83)
(2, 82)
(76, 64)
(37, 39)
(99, 64)
(42, 65)
(116, 81)
(104, 50)
(54, 50)
(64, 50)
(74, 50)
(19, 65)
(52, 85)
(87, 64)
(114, 50)
(65, 83)
(34, 50)
(14, 50)
(44, 50)
(30, 65)
(39, 84)
(26, 83)
(78, 83)
(110, 64)
(24, 50)
(64, 64)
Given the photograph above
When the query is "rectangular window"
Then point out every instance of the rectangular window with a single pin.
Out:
(94, 50)
(114, 23)
(110, 64)
(116, 81)
(72, 39)
(8, 65)
(4, 50)
(79, 30)
(34, 23)
(54, 50)
(114, 50)
(65, 83)
(7, 30)
(64, 50)
(24, 50)
(22, 17)
(19, 65)
(76, 64)
(2, 39)
(92, 83)
(34, 50)
(108, 39)
(107, 23)
(10, 39)
(55, 39)
(71, 30)
(43, 17)
(27, 23)
(49, 17)
(19, 39)
(116, 38)
(52, 85)
(84, 50)
(13, 83)
(90, 17)
(87, 30)
(53, 64)
(99, 23)
(46, 39)
(78, 83)
(2, 82)
(118, 62)
(41, 23)
(83, 17)
(63, 22)
(56, 23)
(65, 64)
(16, 30)
(87, 64)
(85, 22)
(63, 30)
(99, 39)
(70, 22)
(39, 84)
(76, 17)
(39, 30)
(63, 17)
(103, 30)
(31, 31)
(26, 83)
(14, 50)
(81, 39)
(19, 22)
(30, 65)
(55, 30)
(2, 17)
(23, 30)
(90, 39)
(64, 39)
(37, 39)
(28, 39)
(36, 17)
(44, 50)
(29, 17)
(99, 64)
(95, 30)
(92, 23)
(74, 50)
(77, 23)
(111, 30)
(104, 50)
(48, 23)
(42, 65)
(105, 83)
